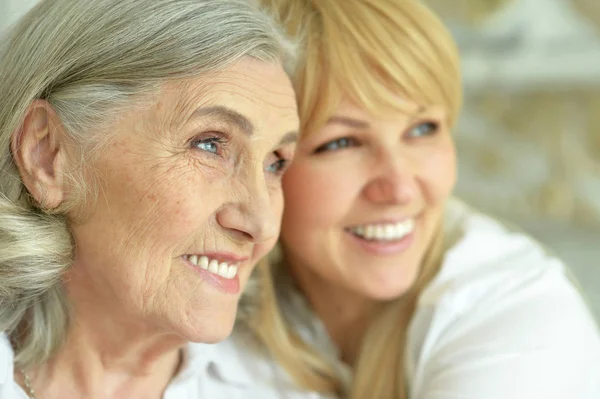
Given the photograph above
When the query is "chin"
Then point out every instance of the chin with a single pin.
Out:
(383, 291)
(207, 328)
(387, 295)
(212, 334)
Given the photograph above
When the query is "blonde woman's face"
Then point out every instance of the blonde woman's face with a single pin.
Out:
(190, 199)
(364, 197)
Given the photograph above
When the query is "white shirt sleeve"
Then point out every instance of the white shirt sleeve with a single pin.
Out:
(503, 324)
(535, 345)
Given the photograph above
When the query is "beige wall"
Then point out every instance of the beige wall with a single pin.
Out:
(10, 10)
(529, 138)
(529, 135)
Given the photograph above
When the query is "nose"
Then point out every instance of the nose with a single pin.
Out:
(393, 181)
(252, 215)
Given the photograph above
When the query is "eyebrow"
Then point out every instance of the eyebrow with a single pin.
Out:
(350, 122)
(358, 124)
(289, 138)
(421, 110)
(230, 115)
(240, 121)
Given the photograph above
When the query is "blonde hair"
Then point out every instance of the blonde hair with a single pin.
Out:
(88, 59)
(369, 51)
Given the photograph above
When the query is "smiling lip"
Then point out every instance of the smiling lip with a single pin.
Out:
(225, 281)
(390, 220)
(383, 247)
(377, 238)
(228, 257)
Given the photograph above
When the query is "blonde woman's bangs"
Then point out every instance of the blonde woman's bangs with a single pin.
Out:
(376, 53)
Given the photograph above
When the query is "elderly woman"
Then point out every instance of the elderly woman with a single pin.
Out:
(142, 148)
(387, 287)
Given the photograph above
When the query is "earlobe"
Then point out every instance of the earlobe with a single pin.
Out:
(39, 151)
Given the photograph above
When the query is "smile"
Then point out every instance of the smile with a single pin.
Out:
(222, 269)
(384, 231)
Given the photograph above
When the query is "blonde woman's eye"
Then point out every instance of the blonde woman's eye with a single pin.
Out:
(423, 129)
(336, 145)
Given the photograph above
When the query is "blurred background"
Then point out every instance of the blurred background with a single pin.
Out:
(529, 136)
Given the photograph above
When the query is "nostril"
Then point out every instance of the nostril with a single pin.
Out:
(242, 235)
(247, 235)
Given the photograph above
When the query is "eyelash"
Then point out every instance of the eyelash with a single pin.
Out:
(221, 141)
(348, 142)
(433, 128)
(281, 163)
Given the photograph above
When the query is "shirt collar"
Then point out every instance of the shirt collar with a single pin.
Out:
(6, 360)
(221, 360)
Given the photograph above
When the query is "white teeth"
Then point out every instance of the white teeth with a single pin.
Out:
(213, 266)
(390, 230)
(222, 269)
(204, 262)
(231, 271)
(385, 232)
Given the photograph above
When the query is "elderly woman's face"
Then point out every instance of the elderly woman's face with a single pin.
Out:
(189, 199)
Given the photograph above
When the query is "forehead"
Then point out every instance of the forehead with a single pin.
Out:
(400, 105)
(261, 91)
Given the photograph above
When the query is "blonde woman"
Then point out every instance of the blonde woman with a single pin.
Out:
(141, 156)
(386, 287)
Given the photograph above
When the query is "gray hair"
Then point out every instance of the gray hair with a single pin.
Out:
(88, 59)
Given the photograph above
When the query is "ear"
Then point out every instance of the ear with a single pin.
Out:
(39, 150)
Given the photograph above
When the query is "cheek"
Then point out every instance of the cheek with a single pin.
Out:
(162, 209)
(277, 203)
(149, 217)
(439, 173)
(315, 195)
(171, 212)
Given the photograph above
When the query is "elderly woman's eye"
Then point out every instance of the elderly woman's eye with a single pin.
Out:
(336, 145)
(209, 144)
(423, 129)
(279, 166)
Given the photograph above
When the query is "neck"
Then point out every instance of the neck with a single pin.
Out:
(345, 314)
(108, 353)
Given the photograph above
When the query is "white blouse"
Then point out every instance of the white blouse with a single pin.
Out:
(501, 320)
(229, 370)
